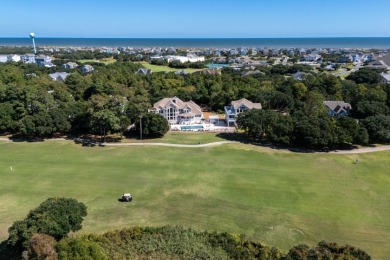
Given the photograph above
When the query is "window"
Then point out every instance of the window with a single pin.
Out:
(171, 114)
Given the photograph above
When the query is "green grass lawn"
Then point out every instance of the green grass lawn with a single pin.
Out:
(157, 68)
(277, 197)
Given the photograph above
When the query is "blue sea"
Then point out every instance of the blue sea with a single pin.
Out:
(350, 42)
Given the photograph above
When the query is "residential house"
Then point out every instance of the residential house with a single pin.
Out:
(181, 72)
(338, 108)
(265, 52)
(275, 52)
(70, 65)
(385, 78)
(378, 65)
(87, 68)
(233, 52)
(211, 71)
(237, 107)
(312, 57)
(143, 71)
(58, 76)
(44, 61)
(14, 57)
(28, 58)
(299, 75)
(177, 111)
(345, 59)
(303, 52)
(3, 58)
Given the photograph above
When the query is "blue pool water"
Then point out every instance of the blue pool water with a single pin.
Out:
(191, 127)
(217, 66)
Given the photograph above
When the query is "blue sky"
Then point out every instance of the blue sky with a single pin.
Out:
(195, 18)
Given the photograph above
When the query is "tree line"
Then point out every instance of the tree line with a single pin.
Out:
(113, 97)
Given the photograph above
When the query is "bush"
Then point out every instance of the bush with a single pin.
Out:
(80, 249)
(55, 217)
(42, 246)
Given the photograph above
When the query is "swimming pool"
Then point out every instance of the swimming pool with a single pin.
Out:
(191, 127)
(216, 66)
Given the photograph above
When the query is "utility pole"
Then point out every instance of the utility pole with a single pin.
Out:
(140, 127)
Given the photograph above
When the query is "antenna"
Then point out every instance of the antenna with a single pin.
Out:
(32, 36)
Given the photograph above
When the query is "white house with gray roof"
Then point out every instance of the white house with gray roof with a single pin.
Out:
(177, 111)
(237, 107)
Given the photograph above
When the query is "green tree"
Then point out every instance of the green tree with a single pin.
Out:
(103, 122)
(378, 128)
(266, 125)
(365, 109)
(55, 217)
(153, 125)
(365, 76)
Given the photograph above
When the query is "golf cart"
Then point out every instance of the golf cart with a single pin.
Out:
(126, 197)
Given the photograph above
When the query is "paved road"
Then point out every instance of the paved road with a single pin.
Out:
(363, 150)
(354, 151)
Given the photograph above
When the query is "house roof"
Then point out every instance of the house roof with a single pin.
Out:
(59, 76)
(144, 71)
(299, 75)
(71, 64)
(386, 76)
(178, 103)
(338, 106)
(385, 60)
(243, 101)
(379, 64)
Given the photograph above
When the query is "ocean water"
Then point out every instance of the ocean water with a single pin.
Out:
(350, 42)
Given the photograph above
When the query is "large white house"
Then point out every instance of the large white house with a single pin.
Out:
(238, 107)
(177, 111)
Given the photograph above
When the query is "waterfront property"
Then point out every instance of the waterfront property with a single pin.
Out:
(338, 108)
(238, 107)
(177, 111)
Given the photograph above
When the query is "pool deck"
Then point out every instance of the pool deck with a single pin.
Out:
(207, 127)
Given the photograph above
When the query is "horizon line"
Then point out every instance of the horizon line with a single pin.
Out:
(293, 37)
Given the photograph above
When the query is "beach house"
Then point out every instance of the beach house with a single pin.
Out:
(237, 107)
(177, 111)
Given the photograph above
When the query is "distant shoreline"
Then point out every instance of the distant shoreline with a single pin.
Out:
(321, 42)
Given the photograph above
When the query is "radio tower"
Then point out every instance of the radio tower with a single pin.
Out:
(32, 36)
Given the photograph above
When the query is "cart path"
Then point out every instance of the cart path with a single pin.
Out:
(353, 151)
(171, 145)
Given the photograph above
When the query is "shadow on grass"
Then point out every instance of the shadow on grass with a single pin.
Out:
(238, 137)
